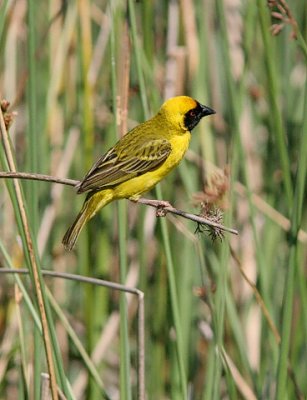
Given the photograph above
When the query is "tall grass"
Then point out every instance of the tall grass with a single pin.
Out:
(224, 318)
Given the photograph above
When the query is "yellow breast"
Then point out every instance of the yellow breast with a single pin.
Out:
(136, 186)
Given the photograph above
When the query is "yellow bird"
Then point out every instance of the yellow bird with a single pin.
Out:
(139, 160)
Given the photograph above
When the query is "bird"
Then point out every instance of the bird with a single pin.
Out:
(139, 160)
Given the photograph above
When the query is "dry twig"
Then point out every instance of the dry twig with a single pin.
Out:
(162, 207)
(281, 11)
(33, 260)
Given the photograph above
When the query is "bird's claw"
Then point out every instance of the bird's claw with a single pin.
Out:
(163, 204)
(161, 212)
(161, 208)
(160, 205)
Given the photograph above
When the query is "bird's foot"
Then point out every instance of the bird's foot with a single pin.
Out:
(160, 205)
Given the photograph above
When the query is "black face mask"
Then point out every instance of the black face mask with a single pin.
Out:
(192, 117)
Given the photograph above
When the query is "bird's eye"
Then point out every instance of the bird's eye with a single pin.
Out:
(192, 113)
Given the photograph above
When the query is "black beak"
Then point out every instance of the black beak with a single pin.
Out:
(206, 110)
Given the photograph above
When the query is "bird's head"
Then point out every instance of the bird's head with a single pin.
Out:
(184, 112)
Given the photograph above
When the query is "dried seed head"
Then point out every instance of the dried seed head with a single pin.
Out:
(281, 12)
(215, 189)
(4, 105)
(214, 214)
(8, 119)
(8, 116)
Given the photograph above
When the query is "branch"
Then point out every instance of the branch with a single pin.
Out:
(163, 206)
(38, 177)
(166, 207)
(32, 257)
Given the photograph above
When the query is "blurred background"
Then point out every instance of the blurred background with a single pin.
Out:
(224, 319)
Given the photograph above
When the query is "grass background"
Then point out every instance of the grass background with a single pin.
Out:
(222, 320)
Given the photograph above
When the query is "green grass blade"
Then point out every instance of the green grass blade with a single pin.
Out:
(275, 112)
(3, 11)
(34, 147)
(165, 234)
(293, 265)
(125, 382)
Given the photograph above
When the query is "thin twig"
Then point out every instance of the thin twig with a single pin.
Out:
(166, 209)
(45, 388)
(77, 278)
(258, 297)
(33, 261)
(239, 380)
(38, 177)
(269, 319)
(141, 346)
(110, 285)
(110, 329)
(192, 217)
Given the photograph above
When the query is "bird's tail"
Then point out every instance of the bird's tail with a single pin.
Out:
(91, 205)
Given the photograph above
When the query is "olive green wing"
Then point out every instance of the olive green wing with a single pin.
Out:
(125, 161)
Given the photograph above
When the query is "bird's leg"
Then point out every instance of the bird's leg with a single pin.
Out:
(160, 205)
(154, 203)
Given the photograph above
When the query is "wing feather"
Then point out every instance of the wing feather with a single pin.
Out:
(123, 162)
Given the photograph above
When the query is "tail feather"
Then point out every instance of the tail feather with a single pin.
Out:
(90, 207)
(74, 230)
